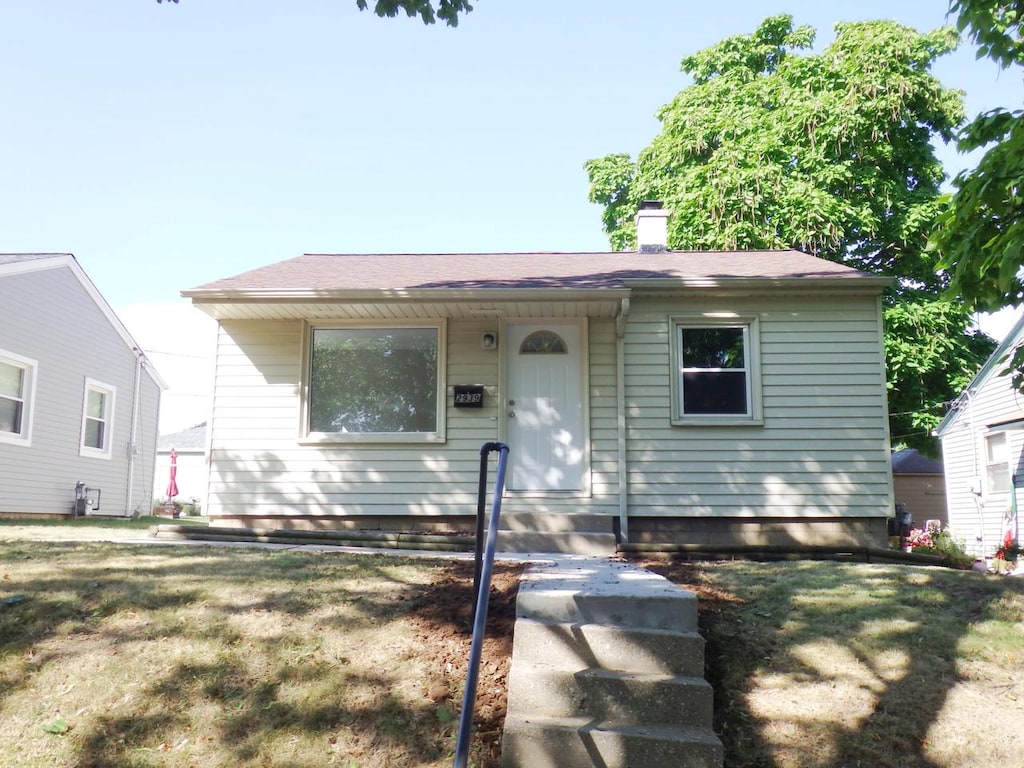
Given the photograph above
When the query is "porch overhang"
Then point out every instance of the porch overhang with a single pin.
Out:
(407, 304)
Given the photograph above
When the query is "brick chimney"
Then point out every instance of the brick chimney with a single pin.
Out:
(652, 227)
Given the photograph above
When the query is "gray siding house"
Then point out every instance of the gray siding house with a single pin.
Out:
(671, 396)
(78, 401)
(983, 453)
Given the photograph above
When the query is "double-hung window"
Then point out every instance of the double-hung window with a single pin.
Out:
(997, 462)
(716, 370)
(17, 390)
(97, 419)
(376, 383)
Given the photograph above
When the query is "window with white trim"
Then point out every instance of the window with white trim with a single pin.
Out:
(716, 371)
(97, 419)
(376, 383)
(17, 389)
(997, 462)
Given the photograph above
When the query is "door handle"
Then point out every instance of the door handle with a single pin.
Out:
(512, 414)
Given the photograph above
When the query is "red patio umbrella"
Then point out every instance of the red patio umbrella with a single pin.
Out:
(172, 486)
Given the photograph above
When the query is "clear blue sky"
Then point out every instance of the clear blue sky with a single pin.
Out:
(170, 145)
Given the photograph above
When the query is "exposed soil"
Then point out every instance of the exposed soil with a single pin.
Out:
(443, 618)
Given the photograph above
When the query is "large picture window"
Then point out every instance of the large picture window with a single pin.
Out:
(17, 384)
(715, 363)
(97, 419)
(375, 381)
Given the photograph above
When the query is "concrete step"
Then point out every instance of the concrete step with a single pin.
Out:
(575, 647)
(565, 542)
(604, 695)
(581, 743)
(598, 591)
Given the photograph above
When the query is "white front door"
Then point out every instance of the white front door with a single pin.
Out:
(545, 407)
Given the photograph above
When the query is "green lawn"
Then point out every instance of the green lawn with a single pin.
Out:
(823, 664)
(113, 655)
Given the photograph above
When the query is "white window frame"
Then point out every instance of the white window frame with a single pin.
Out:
(750, 325)
(437, 436)
(28, 397)
(998, 463)
(110, 392)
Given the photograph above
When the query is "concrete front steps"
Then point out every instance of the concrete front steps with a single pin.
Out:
(575, 533)
(607, 670)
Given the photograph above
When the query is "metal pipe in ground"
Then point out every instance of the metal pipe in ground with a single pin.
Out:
(483, 593)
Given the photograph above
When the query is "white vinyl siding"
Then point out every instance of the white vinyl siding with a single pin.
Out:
(17, 397)
(976, 504)
(262, 465)
(822, 448)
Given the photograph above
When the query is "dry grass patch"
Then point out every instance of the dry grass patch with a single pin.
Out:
(830, 665)
(119, 656)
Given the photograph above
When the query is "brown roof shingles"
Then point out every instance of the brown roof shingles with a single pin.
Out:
(355, 272)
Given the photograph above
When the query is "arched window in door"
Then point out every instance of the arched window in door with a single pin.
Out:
(543, 343)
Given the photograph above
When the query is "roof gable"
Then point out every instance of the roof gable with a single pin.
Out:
(992, 367)
(21, 263)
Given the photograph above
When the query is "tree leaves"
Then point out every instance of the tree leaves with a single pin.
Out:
(829, 153)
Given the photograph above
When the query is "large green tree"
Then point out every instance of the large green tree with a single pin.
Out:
(829, 153)
(446, 10)
(981, 234)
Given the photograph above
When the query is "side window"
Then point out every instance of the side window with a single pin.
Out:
(997, 463)
(97, 419)
(17, 393)
(715, 377)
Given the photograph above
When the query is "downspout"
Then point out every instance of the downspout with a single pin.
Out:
(620, 415)
(132, 448)
(976, 492)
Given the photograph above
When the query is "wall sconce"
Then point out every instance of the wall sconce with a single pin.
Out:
(489, 340)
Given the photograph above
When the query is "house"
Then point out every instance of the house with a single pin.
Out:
(189, 446)
(919, 483)
(78, 400)
(667, 396)
(983, 452)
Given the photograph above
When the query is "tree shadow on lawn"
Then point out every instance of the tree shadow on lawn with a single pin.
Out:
(834, 664)
(251, 673)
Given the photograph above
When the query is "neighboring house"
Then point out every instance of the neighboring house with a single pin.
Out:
(983, 452)
(920, 484)
(191, 473)
(78, 401)
(681, 396)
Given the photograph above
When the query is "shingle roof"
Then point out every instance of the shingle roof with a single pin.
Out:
(191, 440)
(585, 271)
(907, 461)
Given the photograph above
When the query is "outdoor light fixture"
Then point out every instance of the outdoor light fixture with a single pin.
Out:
(489, 340)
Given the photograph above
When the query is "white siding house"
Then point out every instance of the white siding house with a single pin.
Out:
(674, 396)
(78, 401)
(983, 453)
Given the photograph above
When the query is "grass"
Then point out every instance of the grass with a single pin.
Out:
(134, 657)
(820, 664)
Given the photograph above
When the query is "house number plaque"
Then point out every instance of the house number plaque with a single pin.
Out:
(469, 396)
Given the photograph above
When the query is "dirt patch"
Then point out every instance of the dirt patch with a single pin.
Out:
(443, 618)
